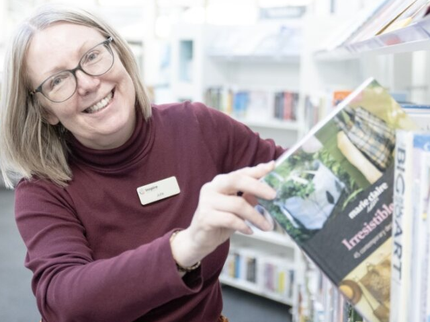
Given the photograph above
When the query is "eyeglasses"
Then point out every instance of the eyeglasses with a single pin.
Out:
(61, 86)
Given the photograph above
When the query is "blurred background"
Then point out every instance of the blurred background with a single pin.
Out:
(247, 58)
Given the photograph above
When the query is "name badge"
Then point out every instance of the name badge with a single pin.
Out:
(158, 190)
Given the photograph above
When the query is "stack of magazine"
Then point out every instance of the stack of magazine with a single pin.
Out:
(381, 18)
(335, 199)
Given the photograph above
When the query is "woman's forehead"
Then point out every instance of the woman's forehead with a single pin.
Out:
(56, 47)
(63, 36)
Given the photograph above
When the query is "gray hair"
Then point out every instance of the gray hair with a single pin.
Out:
(29, 145)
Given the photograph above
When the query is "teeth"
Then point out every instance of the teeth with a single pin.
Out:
(98, 106)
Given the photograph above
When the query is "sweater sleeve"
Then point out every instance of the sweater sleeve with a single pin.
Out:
(232, 143)
(70, 285)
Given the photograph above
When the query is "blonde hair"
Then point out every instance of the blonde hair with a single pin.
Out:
(29, 145)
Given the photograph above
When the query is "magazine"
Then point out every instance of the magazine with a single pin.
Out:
(335, 196)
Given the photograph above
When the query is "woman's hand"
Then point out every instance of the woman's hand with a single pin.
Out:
(221, 212)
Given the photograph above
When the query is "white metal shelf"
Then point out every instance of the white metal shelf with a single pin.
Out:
(269, 237)
(412, 38)
(272, 124)
(254, 289)
(284, 59)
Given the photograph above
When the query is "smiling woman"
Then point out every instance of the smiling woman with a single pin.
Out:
(125, 207)
(34, 146)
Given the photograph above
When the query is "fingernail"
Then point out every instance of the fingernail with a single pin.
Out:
(273, 194)
(267, 226)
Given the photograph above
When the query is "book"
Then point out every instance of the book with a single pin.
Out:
(408, 238)
(420, 114)
(399, 18)
(421, 247)
(355, 25)
(416, 11)
(384, 17)
(339, 96)
(425, 309)
(335, 196)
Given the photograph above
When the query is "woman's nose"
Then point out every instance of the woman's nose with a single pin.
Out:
(86, 83)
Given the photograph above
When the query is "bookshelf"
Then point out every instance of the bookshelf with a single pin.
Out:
(254, 289)
(236, 59)
(398, 59)
(263, 264)
(411, 38)
(235, 65)
(310, 71)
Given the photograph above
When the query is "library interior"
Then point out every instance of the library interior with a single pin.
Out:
(340, 87)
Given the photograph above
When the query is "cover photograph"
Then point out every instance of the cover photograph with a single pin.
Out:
(335, 196)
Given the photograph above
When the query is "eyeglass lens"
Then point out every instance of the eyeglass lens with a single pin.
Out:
(62, 85)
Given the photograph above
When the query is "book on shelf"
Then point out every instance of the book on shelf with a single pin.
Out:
(339, 96)
(335, 196)
(320, 300)
(409, 226)
(406, 9)
(416, 11)
(267, 274)
(254, 105)
(377, 18)
(420, 114)
(346, 33)
(381, 19)
(319, 105)
(425, 300)
(420, 243)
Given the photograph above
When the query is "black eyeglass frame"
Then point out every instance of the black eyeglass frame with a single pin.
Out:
(73, 71)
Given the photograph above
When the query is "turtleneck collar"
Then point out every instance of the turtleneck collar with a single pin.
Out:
(135, 148)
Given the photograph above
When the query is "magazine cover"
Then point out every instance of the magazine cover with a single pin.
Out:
(335, 196)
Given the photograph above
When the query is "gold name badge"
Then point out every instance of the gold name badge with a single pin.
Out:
(158, 190)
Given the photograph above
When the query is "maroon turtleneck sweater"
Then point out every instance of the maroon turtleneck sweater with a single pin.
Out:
(97, 254)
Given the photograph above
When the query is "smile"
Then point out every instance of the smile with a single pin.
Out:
(100, 105)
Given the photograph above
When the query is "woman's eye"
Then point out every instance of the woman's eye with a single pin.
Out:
(56, 81)
(91, 57)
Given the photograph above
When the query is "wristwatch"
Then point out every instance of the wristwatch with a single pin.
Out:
(180, 268)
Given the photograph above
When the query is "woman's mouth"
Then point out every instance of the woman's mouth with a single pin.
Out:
(99, 105)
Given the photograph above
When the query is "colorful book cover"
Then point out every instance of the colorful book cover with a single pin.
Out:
(335, 196)
(339, 96)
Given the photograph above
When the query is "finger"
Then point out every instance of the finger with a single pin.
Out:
(245, 181)
(227, 220)
(258, 171)
(253, 201)
(242, 209)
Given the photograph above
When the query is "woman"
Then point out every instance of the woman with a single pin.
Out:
(125, 208)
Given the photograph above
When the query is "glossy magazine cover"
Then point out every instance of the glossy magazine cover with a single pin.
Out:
(335, 196)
